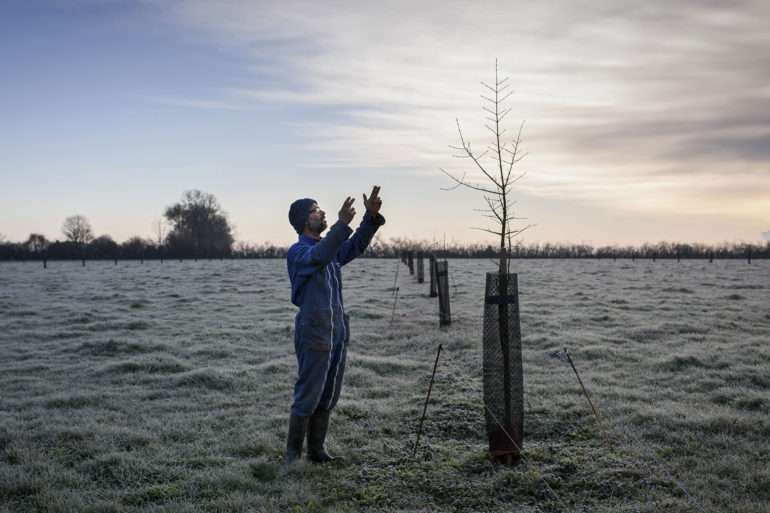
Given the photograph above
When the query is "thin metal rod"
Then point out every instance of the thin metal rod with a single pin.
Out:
(669, 474)
(427, 398)
(395, 280)
(393, 314)
(585, 392)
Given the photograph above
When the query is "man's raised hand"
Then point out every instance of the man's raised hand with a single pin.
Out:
(347, 212)
(373, 202)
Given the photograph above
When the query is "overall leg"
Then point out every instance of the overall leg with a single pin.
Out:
(319, 421)
(313, 367)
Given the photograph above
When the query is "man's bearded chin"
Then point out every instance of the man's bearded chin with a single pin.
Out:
(317, 226)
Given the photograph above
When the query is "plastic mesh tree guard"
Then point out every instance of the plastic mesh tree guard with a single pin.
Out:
(442, 275)
(432, 272)
(503, 374)
(410, 258)
(420, 268)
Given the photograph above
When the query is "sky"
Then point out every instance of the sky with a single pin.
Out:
(643, 121)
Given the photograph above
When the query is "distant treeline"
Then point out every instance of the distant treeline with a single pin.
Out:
(104, 247)
(197, 227)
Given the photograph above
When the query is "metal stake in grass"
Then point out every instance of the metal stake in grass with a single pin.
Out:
(395, 300)
(585, 392)
(693, 501)
(395, 280)
(427, 398)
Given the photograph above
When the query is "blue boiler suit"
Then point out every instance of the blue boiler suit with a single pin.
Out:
(321, 327)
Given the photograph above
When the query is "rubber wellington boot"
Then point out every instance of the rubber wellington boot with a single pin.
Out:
(297, 429)
(316, 435)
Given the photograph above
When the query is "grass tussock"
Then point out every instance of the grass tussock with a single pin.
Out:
(209, 379)
(159, 364)
(112, 347)
(680, 363)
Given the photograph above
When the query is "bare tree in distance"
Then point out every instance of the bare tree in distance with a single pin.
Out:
(505, 153)
(36, 243)
(160, 228)
(77, 229)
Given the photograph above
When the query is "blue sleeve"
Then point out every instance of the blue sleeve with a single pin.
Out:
(304, 260)
(319, 255)
(357, 244)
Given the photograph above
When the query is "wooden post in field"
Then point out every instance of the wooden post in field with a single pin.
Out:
(749, 255)
(677, 255)
(711, 257)
(410, 260)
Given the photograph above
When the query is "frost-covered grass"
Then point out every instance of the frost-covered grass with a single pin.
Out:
(165, 388)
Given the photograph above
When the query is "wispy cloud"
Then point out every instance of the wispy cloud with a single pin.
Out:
(645, 106)
(203, 104)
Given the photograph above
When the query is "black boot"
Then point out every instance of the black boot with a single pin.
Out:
(295, 439)
(316, 434)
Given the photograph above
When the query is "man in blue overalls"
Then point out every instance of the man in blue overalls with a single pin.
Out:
(321, 327)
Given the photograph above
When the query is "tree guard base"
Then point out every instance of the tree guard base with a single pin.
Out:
(503, 373)
(505, 452)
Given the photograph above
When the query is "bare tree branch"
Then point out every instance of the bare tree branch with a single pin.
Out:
(467, 147)
(489, 99)
(517, 232)
(466, 184)
(492, 89)
(486, 230)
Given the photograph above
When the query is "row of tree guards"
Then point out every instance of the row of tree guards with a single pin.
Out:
(439, 280)
(407, 257)
(141, 260)
(502, 361)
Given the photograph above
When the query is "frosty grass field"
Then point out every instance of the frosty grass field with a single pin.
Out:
(166, 387)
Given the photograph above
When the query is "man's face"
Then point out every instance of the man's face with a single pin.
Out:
(316, 221)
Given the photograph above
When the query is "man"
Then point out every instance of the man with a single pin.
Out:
(322, 330)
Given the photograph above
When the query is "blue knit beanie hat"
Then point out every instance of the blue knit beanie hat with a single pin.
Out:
(299, 212)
